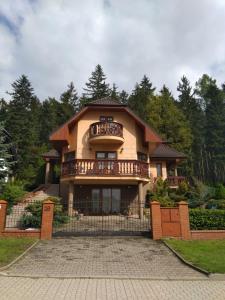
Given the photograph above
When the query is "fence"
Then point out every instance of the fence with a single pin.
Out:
(14, 221)
(174, 222)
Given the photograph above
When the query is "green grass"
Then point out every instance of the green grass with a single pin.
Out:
(10, 248)
(208, 255)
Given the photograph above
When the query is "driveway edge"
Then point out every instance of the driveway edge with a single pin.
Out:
(19, 257)
(185, 261)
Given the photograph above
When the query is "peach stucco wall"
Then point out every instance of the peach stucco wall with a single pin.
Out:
(128, 150)
(154, 171)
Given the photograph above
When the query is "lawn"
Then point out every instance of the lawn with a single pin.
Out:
(10, 248)
(208, 255)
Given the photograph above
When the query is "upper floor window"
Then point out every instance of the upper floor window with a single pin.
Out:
(69, 156)
(106, 119)
(142, 156)
(159, 169)
(106, 155)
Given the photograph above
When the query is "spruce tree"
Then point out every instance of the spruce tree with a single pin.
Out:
(169, 121)
(123, 96)
(68, 104)
(193, 112)
(140, 97)
(23, 124)
(6, 156)
(114, 93)
(96, 87)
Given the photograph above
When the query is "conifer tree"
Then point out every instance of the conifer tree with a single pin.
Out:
(169, 121)
(114, 93)
(6, 156)
(68, 104)
(140, 97)
(96, 87)
(23, 125)
(123, 96)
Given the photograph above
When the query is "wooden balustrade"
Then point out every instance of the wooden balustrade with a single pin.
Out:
(94, 167)
(175, 180)
(106, 128)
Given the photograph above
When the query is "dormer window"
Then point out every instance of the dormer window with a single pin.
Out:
(106, 119)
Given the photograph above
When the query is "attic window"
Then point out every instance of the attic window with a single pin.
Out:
(106, 119)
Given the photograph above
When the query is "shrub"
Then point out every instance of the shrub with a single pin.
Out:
(13, 193)
(32, 217)
(201, 219)
(220, 192)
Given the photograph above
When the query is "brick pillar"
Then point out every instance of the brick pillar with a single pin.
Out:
(3, 210)
(47, 220)
(156, 222)
(184, 220)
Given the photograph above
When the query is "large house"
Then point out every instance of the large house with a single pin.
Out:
(109, 158)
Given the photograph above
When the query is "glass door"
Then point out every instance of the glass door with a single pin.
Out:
(116, 199)
(106, 201)
(95, 198)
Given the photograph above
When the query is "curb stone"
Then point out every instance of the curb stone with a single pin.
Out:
(17, 258)
(185, 261)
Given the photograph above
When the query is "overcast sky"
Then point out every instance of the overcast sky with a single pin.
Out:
(55, 42)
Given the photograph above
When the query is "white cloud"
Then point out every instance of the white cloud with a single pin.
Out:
(58, 41)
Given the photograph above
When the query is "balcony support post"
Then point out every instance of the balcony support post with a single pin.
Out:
(47, 171)
(70, 199)
(141, 200)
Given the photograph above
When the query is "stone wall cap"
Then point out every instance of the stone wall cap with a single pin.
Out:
(3, 202)
(155, 202)
(48, 202)
(183, 203)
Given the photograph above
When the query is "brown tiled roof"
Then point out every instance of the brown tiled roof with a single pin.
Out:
(108, 101)
(51, 154)
(164, 151)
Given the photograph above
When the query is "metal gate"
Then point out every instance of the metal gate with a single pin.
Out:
(106, 214)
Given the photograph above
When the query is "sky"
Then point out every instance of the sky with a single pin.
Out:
(55, 42)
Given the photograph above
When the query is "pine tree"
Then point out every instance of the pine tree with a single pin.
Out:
(96, 87)
(68, 104)
(3, 110)
(114, 93)
(123, 96)
(6, 157)
(215, 133)
(193, 112)
(23, 124)
(169, 121)
(140, 97)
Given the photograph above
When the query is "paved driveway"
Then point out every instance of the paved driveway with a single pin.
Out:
(96, 257)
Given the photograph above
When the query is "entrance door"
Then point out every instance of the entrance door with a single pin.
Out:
(106, 201)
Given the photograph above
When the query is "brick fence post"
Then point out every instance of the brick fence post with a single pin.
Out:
(3, 211)
(47, 220)
(156, 222)
(184, 220)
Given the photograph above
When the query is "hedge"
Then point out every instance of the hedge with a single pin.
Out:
(206, 219)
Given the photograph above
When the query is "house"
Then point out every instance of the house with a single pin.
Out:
(109, 158)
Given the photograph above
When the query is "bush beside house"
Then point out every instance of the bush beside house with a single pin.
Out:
(32, 217)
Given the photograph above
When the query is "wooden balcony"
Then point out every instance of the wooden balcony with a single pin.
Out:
(174, 181)
(116, 168)
(106, 132)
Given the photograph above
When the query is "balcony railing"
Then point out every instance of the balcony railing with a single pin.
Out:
(93, 167)
(106, 128)
(175, 180)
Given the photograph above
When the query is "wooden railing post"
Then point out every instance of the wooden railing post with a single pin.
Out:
(3, 211)
(47, 220)
(156, 222)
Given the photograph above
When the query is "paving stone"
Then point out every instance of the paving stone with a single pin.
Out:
(124, 257)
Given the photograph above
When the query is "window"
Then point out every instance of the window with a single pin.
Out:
(142, 156)
(105, 155)
(159, 169)
(106, 119)
(69, 156)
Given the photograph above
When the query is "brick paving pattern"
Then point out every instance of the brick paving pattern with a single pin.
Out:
(14, 288)
(125, 257)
